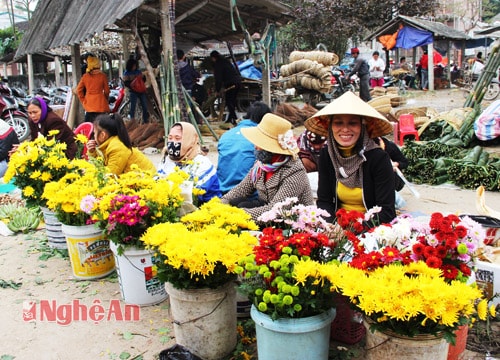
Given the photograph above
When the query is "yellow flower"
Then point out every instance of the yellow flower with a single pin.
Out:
(493, 311)
(81, 138)
(482, 309)
(28, 191)
(35, 174)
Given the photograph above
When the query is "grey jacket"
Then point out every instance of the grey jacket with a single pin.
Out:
(288, 181)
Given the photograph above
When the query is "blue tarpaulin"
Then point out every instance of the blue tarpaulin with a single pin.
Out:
(409, 37)
(249, 71)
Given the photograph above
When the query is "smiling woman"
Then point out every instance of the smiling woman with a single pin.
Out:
(354, 172)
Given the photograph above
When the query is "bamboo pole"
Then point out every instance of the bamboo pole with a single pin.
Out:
(483, 82)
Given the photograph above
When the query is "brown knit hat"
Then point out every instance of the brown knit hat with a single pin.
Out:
(376, 124)
(273, 134)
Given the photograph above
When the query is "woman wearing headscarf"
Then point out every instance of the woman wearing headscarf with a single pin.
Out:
(310, 145)
(43, 120)
(276, 174)
(93, 90)
(183, 151)
(354, 172)
(111, 141)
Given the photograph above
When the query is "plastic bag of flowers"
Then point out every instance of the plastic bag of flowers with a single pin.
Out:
(405, 299)
(34, 164)
(293, 233)
(203, 249)
(130, 204)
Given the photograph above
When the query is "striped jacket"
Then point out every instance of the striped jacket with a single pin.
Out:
(288, 181)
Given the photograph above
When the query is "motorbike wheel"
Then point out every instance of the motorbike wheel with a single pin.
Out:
(21, 127)
(492, 92)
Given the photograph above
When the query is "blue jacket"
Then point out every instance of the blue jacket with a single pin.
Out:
(236, 156)
(201, 171)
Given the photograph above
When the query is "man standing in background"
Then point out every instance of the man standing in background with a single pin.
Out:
(361, 68)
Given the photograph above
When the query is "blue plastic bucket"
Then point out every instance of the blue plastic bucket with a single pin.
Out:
(293, 339)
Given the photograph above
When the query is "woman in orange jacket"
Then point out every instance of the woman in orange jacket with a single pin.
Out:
(93, 90)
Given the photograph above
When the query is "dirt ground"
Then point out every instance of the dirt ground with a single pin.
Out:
(29, 271)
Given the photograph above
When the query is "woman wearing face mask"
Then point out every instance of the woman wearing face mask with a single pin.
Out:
(277, 172)
(183, 151)
(111, 141)
(354, 172)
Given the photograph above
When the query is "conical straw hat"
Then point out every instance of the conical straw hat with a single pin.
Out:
(376, 123)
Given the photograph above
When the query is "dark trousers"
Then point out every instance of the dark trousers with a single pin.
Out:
(231, 97)
(364, 88)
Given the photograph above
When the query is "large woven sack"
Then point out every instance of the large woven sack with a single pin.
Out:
(323, 57)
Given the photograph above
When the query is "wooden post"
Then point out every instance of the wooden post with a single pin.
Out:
(31, 75)
(430, 53)
(266, 82)
(448, 67)
(57, 70)
(76, 112)
(150, 73)
(166, 31)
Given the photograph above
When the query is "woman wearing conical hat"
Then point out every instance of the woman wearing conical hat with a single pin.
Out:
(277, 172)
(354, 172)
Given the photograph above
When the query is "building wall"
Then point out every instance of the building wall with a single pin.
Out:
(461, 15)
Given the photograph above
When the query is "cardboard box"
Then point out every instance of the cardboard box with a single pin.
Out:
(488, 278)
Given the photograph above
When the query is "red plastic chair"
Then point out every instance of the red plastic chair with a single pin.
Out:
(406, 127)
(86, 129)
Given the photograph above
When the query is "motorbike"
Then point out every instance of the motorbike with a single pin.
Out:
(11, 114)
(341, 83)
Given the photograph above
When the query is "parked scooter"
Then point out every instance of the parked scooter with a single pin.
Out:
(10, 113)
(341, 83)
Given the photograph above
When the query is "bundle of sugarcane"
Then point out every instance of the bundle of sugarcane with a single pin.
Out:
(322, 57)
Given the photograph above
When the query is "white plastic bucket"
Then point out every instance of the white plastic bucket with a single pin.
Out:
(55, 237)
(89, 252)
(137, 275)
(205, 320)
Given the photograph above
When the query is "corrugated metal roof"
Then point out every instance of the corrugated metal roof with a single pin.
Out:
(57, 23)
(61, 22)
(439, 30)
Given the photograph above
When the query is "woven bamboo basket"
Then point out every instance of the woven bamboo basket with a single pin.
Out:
(384, 109)
(392, 90)
(381, 100)
(415, 111)
(420, 120)
(398, 101)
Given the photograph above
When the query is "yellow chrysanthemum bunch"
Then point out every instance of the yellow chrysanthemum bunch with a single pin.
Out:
(129, 204)
(405, 299)
(64, 197)
(204, 248)
(34, 164)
